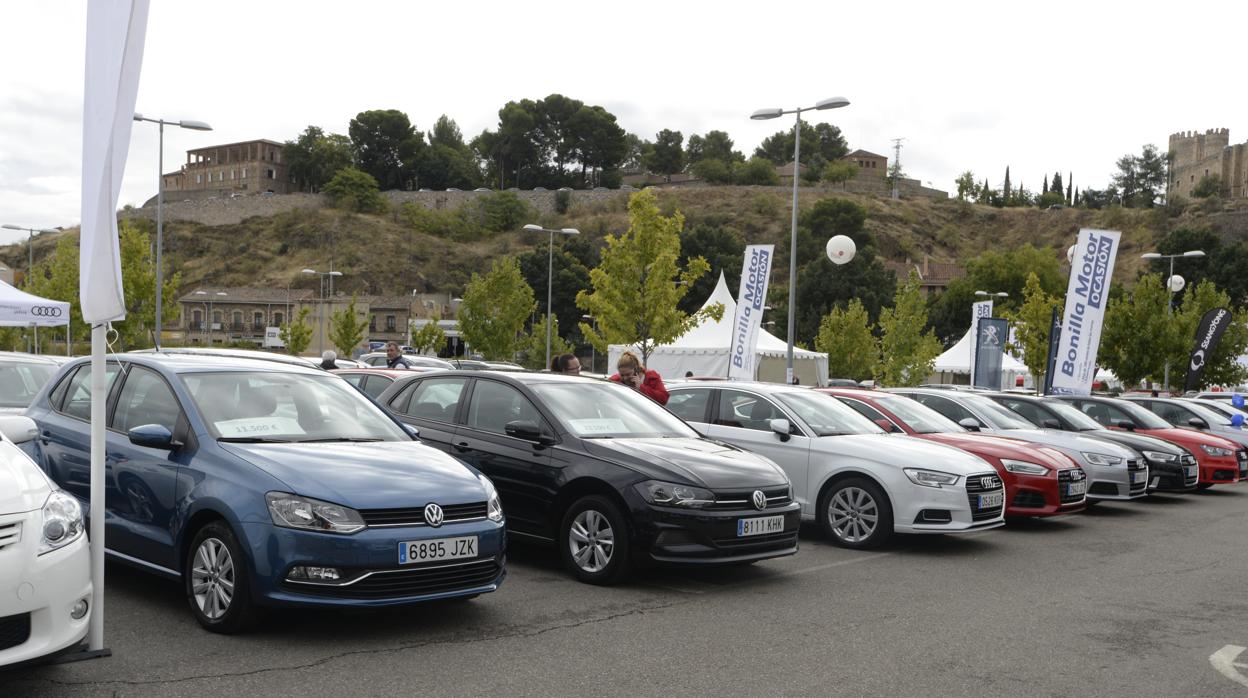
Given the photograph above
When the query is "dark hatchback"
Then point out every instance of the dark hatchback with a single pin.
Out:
(607, 475)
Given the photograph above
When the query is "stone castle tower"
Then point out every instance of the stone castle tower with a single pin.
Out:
(1199, 155)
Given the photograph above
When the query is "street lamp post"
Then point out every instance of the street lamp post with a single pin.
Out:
(321, 311)
(762, 114)
(160, 203)
(207, 329)
(1174, 284)
(550, 271)
(593, 351)
(30, 262)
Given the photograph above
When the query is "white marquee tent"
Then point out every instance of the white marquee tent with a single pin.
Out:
(21, 309)
(957, 361)
(704, 350)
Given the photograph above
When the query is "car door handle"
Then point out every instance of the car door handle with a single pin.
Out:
(463, 447)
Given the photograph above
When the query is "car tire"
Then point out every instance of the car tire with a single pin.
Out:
(855, 513)
(594, 541)
(216, 574)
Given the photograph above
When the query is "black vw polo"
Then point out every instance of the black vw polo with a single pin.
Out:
(607, 475)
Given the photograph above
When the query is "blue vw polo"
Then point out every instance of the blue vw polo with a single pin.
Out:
(260, 484)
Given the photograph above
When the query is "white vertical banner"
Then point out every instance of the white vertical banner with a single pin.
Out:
(1091, 269)
(755, 273)
(979, 309)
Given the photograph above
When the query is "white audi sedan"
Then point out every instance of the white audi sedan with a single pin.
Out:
(45, 577)
(860, 484)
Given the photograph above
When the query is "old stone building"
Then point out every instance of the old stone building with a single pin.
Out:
(869, 162)
(1209, 154)
(249, 167)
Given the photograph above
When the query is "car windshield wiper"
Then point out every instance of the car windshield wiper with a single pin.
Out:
(252, 440)
(354, 439)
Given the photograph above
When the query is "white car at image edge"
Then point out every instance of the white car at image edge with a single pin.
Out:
(45, 575)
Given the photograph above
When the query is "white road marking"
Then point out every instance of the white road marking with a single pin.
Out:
(1224, 661)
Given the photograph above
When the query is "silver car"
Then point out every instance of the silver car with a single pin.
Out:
(1195, 414)
(21, 377)
(860, 484)
(1115, 472)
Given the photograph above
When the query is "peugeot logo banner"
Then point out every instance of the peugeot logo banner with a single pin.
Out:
(1208, 334)
(1091, 268)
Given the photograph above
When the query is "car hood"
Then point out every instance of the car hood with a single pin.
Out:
(1135, 440)
(899, 451)
(1068, 441)
(1230, 433)
(23, 486)
(998, 447)
(372, 475)
(1190, 438)
(704, 462)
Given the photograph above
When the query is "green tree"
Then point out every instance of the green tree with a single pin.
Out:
(314, 157)
(1031, 323)
(712, 170)
(635, 297)
(494, 310)
(1005, 188)
(56, 277)
(387, 147)
(723, 247)
(429, 337)
(354, 190)
(138, 273)
(966, 185)
(346, 329)
(823, 141)
(1209, 185)
(297, 334)
(570, 275)
(499, 211)
(845, 336)
(599, 143)
(533, 348)
(1221, 366)
(994, 271)
(715, 145)
(665, 156)
(758, 171)
(907, 352)
(840, 171)
(1141, 179)
(1057, 187)
(1138, 334)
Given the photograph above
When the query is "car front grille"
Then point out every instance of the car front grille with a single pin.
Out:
(415, 581)
(14, 630)
(784, 539)
(1191, 471)
(1064, 478)
(1241, 456)
(1028, 499)
(415, 516)
(777, 497)
(1134, 466)
(10, 534)
(983, 484)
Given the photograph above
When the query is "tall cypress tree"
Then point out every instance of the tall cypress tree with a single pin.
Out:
(1005, 190)
(1045, 188)
(1057, 184)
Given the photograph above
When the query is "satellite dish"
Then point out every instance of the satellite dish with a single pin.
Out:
(841, 249)
(1175, 283)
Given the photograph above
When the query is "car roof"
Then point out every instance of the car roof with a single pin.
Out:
(747, 385)
(517, 377)
(33, 358)
(196, 363)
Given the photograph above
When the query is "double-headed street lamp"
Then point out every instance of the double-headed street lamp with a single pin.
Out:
(550, 271)
(761, 114)
(160, 202)
(998, 294)
(207, 328)
(1174, 284)
(321, 312)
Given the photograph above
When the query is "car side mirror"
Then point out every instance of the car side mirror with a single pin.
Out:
(527, 430)
(152, 436)
(969, 423)
(1125, 424)
(1198, 423)
(18, 429)
(886, 425)
(1051, 423)
(782, 428)
(411, 429)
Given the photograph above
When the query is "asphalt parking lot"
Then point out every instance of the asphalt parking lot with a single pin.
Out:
(1142, 599)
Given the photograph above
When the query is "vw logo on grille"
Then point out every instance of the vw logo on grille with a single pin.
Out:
(988, 482)
(433, 515)
(760, 500)
(45, 311)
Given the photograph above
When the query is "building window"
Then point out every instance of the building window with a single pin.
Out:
(238, 320)
(390, 323)
(372, 323)
(272, 174)
(244, 173)
(278, 319)
(199, 179)
(216, 319)
(197, 320)
(232, 173)
(257, 321)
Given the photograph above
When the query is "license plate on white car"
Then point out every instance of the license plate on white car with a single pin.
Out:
(992, 499)
(1139, 476)
(413, 551)
(1074, 489)
(760, 526)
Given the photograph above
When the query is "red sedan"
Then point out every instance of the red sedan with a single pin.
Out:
(1039, 481)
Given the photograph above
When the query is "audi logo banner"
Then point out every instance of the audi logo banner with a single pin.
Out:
(20, 309)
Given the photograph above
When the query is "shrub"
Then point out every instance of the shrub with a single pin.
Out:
(713, 171)
(499, 212)
(1209, 185)
(563, 199)
(354, 190)
(757, 171)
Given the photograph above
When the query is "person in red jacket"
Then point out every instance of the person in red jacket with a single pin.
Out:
(638, 377)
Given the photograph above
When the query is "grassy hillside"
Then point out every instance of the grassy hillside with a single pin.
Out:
(384, 255)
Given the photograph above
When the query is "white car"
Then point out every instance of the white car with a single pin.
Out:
(860, 484)
(45, 575)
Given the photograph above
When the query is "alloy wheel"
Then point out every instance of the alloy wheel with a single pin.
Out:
(853, 514)
(591, 540)
(212, 578)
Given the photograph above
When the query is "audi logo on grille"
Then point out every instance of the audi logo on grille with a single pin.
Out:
(988, 481)
(1077, 475)
(760, 500)
(433, 515)
(45, 311)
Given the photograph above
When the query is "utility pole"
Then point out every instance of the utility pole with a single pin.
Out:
(896, 166)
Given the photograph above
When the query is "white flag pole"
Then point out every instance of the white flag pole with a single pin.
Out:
(98, 386)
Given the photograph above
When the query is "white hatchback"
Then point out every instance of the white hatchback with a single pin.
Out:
(859, 483)
(45, 575)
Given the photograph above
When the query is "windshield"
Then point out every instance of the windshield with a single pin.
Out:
(594, 410)
(827, 416)
(1079, 420)
(998, 416)
(20, 381)
(277, 406)
(919, 417)
(1143, 418)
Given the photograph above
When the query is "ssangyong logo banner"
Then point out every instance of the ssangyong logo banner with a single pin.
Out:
(1090, 271)
(1208, 334)
(755, 272)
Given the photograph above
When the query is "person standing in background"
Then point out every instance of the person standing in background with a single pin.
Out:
(636, 376)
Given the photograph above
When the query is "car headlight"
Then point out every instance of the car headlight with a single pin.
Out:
(62, 521)
(304, 513)
(1215, 451)
(672, 495)
(1101, 458)
(1023, 467)
(493, 506)
(930, 478)
(1160, 457)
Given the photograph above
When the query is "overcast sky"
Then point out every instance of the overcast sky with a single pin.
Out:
(1040, 86)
